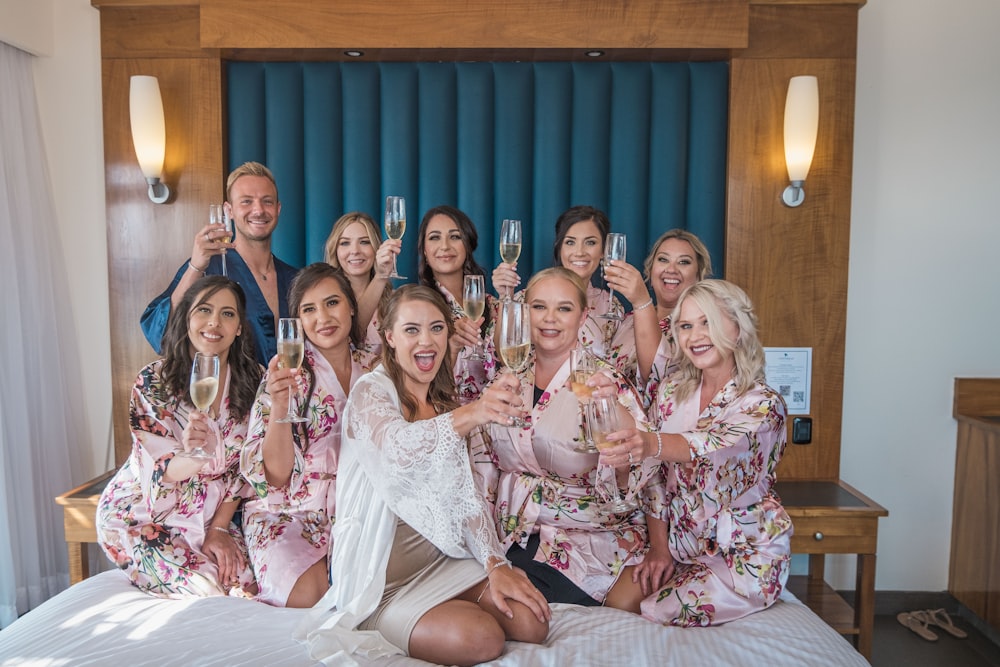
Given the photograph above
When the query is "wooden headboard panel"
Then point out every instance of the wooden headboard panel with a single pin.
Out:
(793, 262)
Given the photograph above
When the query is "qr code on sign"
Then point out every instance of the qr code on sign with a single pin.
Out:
(798, 396)
(785, 389)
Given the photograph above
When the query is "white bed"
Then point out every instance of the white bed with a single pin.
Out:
(104, 621)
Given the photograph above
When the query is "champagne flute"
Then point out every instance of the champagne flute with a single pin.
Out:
(217, 217)
(581, 366)
(510, 245)
(603, 414)
(291, 348)
(473, 303)
(395, 224)
(515, 341)
(614, 248)
(204, 387)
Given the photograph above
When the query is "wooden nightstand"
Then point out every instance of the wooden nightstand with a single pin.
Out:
(80, 522)
(835, 518)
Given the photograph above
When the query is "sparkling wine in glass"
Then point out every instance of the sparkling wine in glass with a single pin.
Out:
(603, 415)
(204, 387)
(515, 340)
(473, 303)
(395, 224)
(581, 366)
(614, 248)
(291, 348)
(216, 216)
(510, 244)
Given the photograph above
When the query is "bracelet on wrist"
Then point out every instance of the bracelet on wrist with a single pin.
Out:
(659, 445)
(201, 271)
(643, 306)
(500, 563)
(220, 529)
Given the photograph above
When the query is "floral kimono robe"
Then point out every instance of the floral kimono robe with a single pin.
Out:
(288, 529)
(471, 375)
(663, 364)
(728, 532)
(536, 482)
(154, 529)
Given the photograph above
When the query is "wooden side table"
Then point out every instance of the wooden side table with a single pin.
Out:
(80, 522)
(835, 518)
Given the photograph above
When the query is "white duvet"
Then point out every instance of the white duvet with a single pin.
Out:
(105, 621)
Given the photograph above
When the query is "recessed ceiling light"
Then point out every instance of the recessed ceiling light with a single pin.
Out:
(354, 54)
(594, 53)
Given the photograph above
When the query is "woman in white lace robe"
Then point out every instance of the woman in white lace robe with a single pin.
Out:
(292, 468)
(721, 436)
(416, 566)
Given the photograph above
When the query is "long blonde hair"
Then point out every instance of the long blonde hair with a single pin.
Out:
(720, 299)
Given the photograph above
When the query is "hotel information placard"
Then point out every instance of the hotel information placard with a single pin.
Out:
(789, 372)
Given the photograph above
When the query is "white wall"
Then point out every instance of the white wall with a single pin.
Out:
(924, 279)
(923, 306)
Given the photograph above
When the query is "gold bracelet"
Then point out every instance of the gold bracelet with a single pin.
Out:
(643, 306)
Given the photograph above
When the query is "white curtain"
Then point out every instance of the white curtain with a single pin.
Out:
(39, 367)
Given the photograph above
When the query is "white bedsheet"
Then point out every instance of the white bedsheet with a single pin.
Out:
(105, 621)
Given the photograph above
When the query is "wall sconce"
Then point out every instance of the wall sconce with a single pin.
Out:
(148, 133)
(801, 121)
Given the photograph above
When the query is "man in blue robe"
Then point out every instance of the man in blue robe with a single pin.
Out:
(253, 206)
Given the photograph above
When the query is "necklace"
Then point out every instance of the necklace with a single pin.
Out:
(270, 263)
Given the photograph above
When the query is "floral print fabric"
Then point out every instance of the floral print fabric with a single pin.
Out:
(288, 529)
(471, 375)
(536, 482)
(153, 529)
(728, 531)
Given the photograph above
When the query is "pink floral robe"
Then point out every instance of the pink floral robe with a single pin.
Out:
(663, 364)
(471, 375)
(288, 529)
(535, 482)
(728, 531)
(154, 529)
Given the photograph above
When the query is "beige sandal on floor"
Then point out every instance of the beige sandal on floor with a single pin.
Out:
(940, 618)
(917, 621)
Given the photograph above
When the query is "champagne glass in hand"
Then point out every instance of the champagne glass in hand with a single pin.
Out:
(291, 348)
(216, 216)
(473, 303)
(515, 341)
(581, 366)
(603, 414)
(395, 224)
(614, 248)
(510, 244)
(204, 388)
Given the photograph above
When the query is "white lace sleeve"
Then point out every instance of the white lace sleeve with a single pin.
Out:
(420, 469)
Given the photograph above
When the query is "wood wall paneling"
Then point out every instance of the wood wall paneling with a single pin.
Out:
(147, 241)
(793, 262)
(475, 24)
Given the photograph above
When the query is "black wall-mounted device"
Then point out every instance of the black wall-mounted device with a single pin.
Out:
(802, 430)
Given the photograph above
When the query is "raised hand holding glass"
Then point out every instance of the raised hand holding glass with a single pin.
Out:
(614, 249)
(473, 303)
(395, 224)
(291, 349)
(204, 388)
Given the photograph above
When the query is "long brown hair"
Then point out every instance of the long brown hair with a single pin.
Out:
(441, 393)
(244, 371)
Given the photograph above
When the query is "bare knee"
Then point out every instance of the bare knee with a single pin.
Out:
(457, 633)
(310, 587)
(525, 626)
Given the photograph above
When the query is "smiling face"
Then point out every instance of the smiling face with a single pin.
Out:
(674, 269)
(254, 207)
(444, 249)
(214, 323)
(700, 344)
(582, 249)
(556, 315)
(355, 252)
(326, 315)
(419, 339)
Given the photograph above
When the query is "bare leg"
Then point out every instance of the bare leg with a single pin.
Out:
(456, 632)
(524, 627)
(310, 587)
(625, 594)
